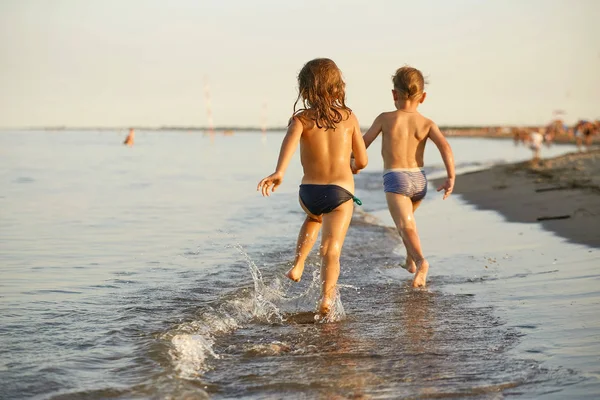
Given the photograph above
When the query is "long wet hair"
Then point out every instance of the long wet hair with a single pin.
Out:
(323, 92)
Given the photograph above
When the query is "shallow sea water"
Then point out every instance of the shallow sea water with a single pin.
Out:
(157, 272)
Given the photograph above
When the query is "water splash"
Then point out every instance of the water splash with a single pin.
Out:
(193, 342)
(337, 312)
(272, 301)
(265, 296)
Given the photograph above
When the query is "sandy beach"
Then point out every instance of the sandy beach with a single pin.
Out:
(562, 194)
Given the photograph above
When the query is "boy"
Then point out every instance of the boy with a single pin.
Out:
(405, 133)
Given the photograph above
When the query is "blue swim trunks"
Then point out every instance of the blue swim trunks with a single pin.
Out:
(409, 182)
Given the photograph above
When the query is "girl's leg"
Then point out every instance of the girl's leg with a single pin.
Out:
(335, 226)
(306, 239)
(401, 209)
(410, 265)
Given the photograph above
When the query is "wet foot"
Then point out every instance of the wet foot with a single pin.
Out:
(327, 300)
(325, 305)
(409, 265)
(421, 276)
(295, 273)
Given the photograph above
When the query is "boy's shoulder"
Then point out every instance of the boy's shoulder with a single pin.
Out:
(389, 115)
(428, 121)
(386, 118)
(428, 126)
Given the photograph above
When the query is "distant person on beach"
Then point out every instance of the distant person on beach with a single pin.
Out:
(130, 138)
(405, 132)
(584, 133)
(328, 133)
(553, 130)
(520, 135)
(535, 143)
(588, 130)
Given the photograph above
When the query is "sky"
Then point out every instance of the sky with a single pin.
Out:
(119, 63)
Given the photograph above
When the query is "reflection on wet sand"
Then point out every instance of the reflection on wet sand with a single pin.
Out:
(451, 346)
(340, 368)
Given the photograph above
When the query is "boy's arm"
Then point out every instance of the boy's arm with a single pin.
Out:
(359, 151)
(288, 147)
(446, 151)
(373, 131)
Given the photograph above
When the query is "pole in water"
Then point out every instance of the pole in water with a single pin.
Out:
(130, 138)
(208, 106)
(263, 122)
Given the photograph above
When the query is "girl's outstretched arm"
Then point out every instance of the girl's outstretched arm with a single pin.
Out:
(446, 151)
(288, 147)
(373, 131)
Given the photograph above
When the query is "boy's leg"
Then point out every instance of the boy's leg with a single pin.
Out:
(306, 239)
(335, 226)
(401, 209)
(410, 265)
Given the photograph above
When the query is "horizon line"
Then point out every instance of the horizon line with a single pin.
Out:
(227, 128)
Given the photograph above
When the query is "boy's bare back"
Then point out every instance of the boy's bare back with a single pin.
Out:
(404, 137)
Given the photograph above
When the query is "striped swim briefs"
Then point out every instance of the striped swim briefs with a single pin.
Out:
(409, 182)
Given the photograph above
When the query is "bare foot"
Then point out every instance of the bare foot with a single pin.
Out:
(295, 273)
(421, 276)
(325, 305)
(409, 265)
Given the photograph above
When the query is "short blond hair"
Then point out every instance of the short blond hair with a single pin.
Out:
(408, 82)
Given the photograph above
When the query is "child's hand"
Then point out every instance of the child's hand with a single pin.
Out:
(270, 182)
(448, 186)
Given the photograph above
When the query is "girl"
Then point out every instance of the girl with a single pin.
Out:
(328, 133)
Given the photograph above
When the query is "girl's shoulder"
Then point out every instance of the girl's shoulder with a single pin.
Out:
(347, 113)
(308, 117)
(304, 117)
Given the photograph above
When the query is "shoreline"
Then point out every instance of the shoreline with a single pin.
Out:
(561, 193)
(448, 131)
(492, 134)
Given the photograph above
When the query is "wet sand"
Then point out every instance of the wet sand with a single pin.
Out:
(562, 194)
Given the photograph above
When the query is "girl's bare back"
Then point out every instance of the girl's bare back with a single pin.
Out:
(325, 154)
